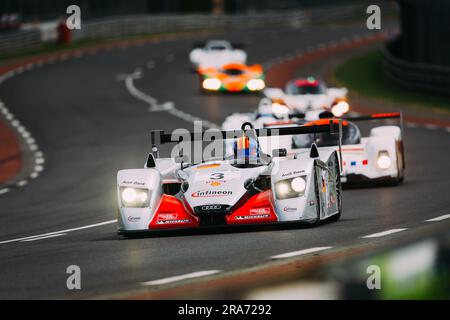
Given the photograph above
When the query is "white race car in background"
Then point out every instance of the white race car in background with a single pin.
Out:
(375, 159)
(216, 53)
(169, 193)
(310, 97)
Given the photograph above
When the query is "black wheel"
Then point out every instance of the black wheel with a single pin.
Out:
(338, 183)
(316, 189)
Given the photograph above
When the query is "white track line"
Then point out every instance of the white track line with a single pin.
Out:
(299, 252)
(61, 231)
(31, 142)
(384, 233)
(167, 106)
(4, 190)
(192, 275)
(440, 218)
(46, 237)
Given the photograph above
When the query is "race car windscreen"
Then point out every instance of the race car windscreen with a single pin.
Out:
(350, 135)
(233, 72)
(294, 88)
(217, 48)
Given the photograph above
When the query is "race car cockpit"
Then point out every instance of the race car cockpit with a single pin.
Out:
(246, 150)
(350, 135)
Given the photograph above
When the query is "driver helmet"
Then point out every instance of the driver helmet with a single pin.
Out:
(246, 149)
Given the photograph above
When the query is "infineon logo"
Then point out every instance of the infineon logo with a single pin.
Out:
(211, 193)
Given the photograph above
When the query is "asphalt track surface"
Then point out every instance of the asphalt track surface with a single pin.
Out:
(88, 126)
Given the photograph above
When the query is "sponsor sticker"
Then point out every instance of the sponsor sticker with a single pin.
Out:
(257, 216)
(167, 216)
(211, 193)
(260, 211)
(289, 209)
(208, 166)
(133, 219)
(173, 221)
(292, 173)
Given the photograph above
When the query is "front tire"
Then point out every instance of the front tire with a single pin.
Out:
(316, 191)
(338, 183)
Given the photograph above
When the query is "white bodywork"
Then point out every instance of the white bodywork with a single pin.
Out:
(221, 183)
(307, 102)
(359, 161)
(207, 57)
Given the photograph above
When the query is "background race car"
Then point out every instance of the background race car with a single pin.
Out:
(232, 78)
(216, 53)
(310, 97)
(249, 187)
(375, 159)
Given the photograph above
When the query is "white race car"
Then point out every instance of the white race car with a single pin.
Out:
(249, 187)
(376, 159)
(215, 54)
(309, 96)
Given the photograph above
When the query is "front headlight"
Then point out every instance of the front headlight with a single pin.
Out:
(290, 188)
(280, 110)
(340, 108)
(211, 84)
(383, 160)
(255, 84)
(134, 197)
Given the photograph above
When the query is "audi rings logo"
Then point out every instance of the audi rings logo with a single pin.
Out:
(211, 207)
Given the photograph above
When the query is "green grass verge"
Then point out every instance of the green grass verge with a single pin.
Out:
(363, 75)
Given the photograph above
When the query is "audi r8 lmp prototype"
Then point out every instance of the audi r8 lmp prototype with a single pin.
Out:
(216, 53)
(309, 96)
(247, 187)
(232, 77)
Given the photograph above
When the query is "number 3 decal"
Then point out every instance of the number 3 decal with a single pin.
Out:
(217, 176)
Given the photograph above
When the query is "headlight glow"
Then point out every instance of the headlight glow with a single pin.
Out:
(134, 197)
(211, 84)
(283, 188)
(290, 188)
(279, 110)
(298, 184)
(340, 108)
(256, 84)
(383, 161)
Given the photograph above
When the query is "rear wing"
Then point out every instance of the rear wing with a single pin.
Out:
(159, 137)
(378, 116)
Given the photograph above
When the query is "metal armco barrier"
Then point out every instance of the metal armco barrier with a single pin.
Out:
(143, 24)
(416, 76)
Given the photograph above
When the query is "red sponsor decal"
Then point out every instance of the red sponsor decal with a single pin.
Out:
(167, 216)
(258, 211)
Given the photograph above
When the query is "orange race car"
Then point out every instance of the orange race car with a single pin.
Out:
(233, 77)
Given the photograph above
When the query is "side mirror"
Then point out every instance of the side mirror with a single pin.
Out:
(314, 153)
(248, 184)
(150, 163)
(279, 152)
